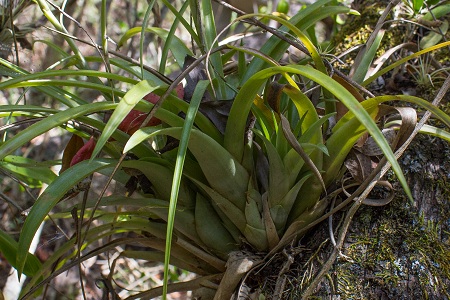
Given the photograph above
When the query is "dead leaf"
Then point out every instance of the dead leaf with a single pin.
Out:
(75, 143)
(217, 112)
(359, 165)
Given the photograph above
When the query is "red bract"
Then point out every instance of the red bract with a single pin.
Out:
(133, 121)
(84, 153)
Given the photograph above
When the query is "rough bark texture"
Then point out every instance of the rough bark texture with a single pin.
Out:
(401, 251)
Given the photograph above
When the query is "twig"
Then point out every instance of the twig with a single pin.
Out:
(10, 201)
(115, 53)
(386, 165)
(282, 277)
(273, 31)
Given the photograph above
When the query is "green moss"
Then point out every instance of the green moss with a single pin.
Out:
(397, 252)
(357, 29)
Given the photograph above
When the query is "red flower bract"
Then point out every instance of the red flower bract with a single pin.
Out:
(133, 121)
(84, 152)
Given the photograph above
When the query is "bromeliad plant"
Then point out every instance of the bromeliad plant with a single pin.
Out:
(211, 182)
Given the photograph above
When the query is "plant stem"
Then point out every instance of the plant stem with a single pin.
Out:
(58, 26)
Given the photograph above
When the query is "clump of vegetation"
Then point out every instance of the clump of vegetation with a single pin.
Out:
(221, 174)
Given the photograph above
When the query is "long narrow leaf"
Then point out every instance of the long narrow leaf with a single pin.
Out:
(364, 59)
(49, 198)
(128, 102)
(48, 123)
(148, 11)
(28, 169)
(305, 18)
(234, 133)
(170, 36)
(210, 43)
(182, 148)
(177, 46)
(9, 249)
(179, 16)
(62, 73)
(402, 61)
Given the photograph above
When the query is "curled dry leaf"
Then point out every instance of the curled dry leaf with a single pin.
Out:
(217, 112)
(371, 148)
(359, 165)
(359, 161)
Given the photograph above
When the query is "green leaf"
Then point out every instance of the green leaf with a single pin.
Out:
(14, 82)
(432, 37)
(48, 123)
(183, 223)
(402, 61)
(253, 209)
(296, 145)
(417, 5)
(170, 36)
(306, 109)
(302, 221)
(210, 228)
(373, 102)
(256, 237)
(437, 12)
(223, 172)
(364, 59)
(161, 178)
(179, 165)
(49, 198)
(177, 46)
(437, 132)
(29, 170)
(128, 102)
(209, 31)
(231, 211)
(305, 18)
(278, 174)
(179, 16)
(148, 12)
(288, 202)
(9, 249)
(340, 143)
(427, 129)
(235, 133)
(295, 162)
(183, 260)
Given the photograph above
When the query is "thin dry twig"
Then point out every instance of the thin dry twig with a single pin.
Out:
(354, 208)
